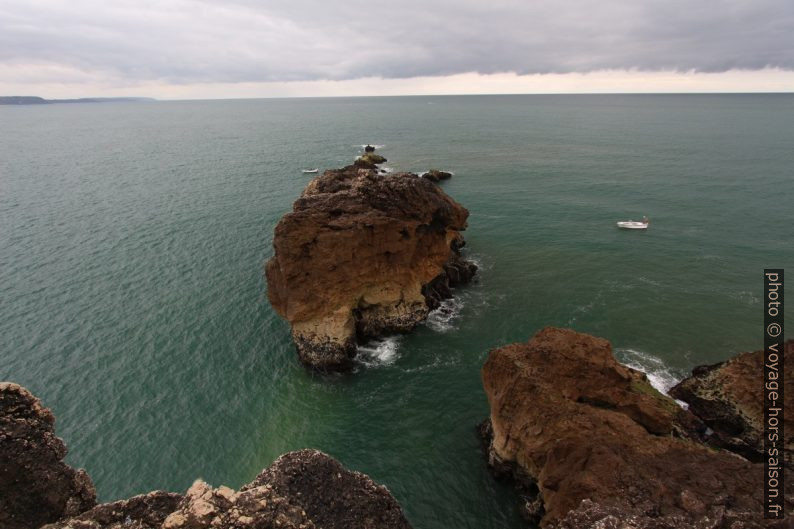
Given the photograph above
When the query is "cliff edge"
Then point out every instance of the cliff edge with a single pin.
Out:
(306, 489)
(36, 486)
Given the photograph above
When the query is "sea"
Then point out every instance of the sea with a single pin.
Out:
(133, 300)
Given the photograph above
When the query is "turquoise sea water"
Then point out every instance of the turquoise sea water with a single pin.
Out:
(132, 299)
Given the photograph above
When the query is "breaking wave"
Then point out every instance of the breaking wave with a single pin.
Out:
(441, 319)
(379, 352)
(659, 375)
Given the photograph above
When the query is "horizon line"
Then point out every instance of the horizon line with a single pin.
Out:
(149, 99)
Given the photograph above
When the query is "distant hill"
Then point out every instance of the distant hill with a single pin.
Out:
(33, 100)
(22, 100)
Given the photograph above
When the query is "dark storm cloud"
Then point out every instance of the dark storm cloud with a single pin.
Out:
(186, 41)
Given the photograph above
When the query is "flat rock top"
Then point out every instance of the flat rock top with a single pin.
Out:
(347, 193)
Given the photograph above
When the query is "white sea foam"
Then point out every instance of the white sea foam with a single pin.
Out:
(442, 318)
(659, 375)
(379, 352)
(478, 260)
(745, 297)
(387, 170)
(362, 147)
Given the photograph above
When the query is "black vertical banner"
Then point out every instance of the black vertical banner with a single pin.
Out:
(773, 394)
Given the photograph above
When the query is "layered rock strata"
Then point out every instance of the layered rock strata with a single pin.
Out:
(306, 489)
(362, 255)
(728, 397)
(591, 444)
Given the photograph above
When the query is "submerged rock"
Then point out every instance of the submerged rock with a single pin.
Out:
(591, 444)
(363, 255)
(729, 398)
(434, 175)
(36, 486)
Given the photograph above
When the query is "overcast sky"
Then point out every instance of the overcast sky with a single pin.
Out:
(250, 48)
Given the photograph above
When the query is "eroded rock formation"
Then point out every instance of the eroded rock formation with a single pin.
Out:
(306, 489)
(591, 444)
(36, 486)
(362, 255)
(729, 397)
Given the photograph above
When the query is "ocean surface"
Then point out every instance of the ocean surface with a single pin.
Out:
(132, 296)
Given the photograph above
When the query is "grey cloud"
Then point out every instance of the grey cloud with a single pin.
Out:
(186, 41)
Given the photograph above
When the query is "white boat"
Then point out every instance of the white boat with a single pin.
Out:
(634, 224)
(309, 171)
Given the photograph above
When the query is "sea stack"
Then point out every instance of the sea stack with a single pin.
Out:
(589, 443)
(362, 255)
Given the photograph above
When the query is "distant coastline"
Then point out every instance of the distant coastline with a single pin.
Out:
(35, 100)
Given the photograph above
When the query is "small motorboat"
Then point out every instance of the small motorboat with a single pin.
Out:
(634, 224)
(309, 171)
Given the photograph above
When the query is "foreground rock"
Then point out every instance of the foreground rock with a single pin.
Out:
(36, 486)
(362, 255)
(728, 397)
(301, 490)
(147, 511)
(591, 444)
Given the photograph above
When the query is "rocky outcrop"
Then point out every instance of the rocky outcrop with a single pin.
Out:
(434, 175)
(306, 489)
(728, 397)
(331, 496)
(362, 255)
(372, 158)
(591, 444)
(147, 511)
(36, 486)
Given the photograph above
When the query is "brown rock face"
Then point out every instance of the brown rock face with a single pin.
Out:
(362, 255)
(591, 444)
(36, 486)
(728, 397)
